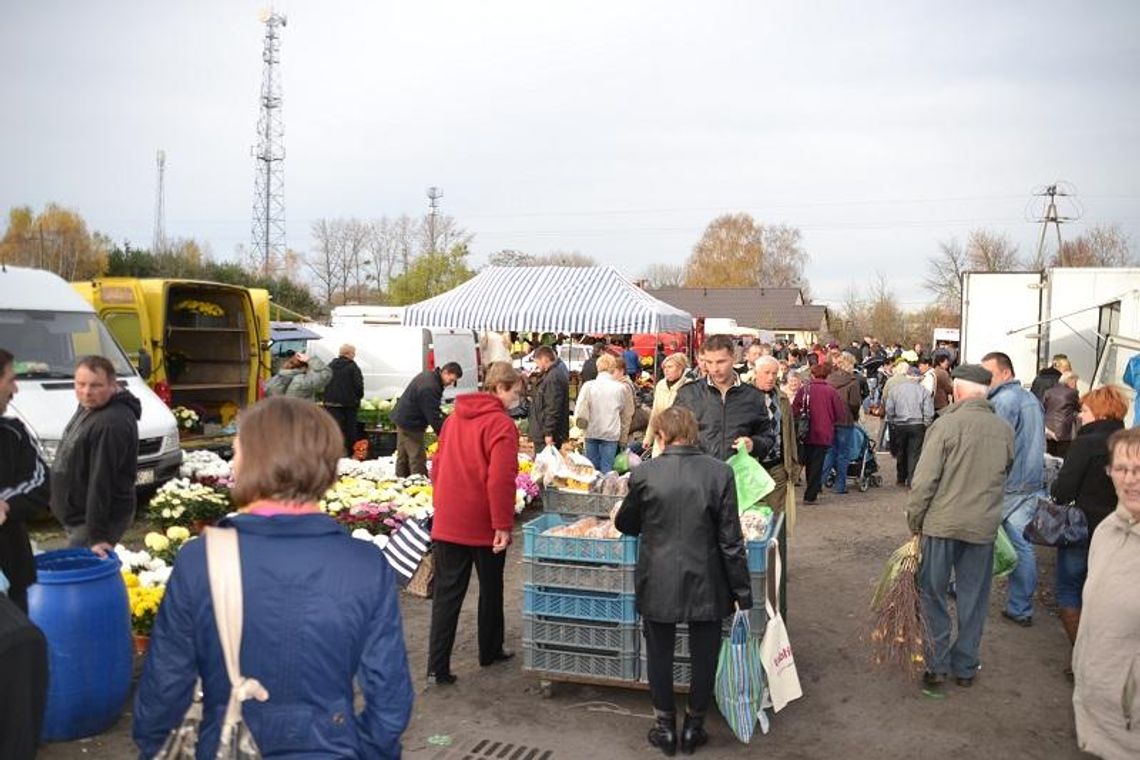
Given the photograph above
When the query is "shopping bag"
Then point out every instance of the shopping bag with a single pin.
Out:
(740, 679)
(406, 548)
(1056, 525)
(753, 482)
(546, 464)
(1005, 556)
(776, 650)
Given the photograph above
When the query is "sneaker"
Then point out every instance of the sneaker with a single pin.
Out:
(1024, 622)
(442, 679)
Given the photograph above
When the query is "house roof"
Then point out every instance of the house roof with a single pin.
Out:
(763, 308)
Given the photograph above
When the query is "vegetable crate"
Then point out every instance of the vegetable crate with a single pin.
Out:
(602, 551)
(615, 578)
(619, 638)
(595, 606)
(616, 666)
(557, 500)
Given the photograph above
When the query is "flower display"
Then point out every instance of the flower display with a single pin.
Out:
(409, 497)
(165, 546)
(144, 601)
(204, 308)
(187, 419)
(183, 502)
(377, 412)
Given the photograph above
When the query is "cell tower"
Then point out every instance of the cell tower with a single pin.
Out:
(158, 244)
(434, 195)
(269, 155)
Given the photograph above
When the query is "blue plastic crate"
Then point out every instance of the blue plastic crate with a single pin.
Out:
(758, 550)
(613, 638)
(577, 575)
(579, 605)
(606, 551)
(618, 667)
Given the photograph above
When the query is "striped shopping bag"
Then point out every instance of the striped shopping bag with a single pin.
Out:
(740, 679)
(406, 549)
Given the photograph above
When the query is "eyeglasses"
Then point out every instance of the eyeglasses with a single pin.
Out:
(1122, 472)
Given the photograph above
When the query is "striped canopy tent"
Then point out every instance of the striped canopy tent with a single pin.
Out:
(575, 300)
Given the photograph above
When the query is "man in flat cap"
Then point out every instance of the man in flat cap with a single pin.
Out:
(955, 505)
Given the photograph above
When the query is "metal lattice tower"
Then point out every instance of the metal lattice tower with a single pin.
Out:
(1051, 215)
(434, 195)
(269, 155)
(158, 244)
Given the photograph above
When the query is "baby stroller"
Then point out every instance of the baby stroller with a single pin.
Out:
(862, 465)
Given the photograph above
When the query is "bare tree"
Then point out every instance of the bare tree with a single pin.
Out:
(944, 272)
(327, 261)
(509, 257)
(664, 275)
(1101, 246)
(988, 251)
(784, 257)
(448, 234)
(557, 258)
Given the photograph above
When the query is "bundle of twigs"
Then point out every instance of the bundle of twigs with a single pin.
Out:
(899, 628)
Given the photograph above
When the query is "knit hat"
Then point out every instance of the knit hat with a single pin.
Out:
(975, 373)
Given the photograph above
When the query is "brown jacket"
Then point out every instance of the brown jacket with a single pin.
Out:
(847, 387)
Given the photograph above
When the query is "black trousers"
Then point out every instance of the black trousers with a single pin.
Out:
(23, 687)
(452, 575)
(815, 454)
(909, 445)
(345, 417)
(704, 646)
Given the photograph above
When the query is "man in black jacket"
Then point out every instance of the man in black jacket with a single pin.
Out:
(93, 476)
(417, 408)
(549, 421)
(729, 412)
(1050, 376)
(23, 489)
(344, 392)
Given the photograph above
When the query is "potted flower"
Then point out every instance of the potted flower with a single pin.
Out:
(188, 420)
(144, 601)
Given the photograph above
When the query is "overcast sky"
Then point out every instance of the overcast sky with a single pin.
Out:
(615, 128)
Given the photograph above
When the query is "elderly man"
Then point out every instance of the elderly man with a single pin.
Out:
(781, 462)
(549, 419)
(955, 505)
(910, 409)
(93, 476)
(1026, 481)
(344, 392)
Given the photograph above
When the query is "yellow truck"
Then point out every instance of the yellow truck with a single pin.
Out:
(202, 346)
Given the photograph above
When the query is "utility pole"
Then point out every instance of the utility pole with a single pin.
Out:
(269, 154)
(158, 243)
(1051, 216)
(434, 194)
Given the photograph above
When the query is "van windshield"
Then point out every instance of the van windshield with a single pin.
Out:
(47, 344)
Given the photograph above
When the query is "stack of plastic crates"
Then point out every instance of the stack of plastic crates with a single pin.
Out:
(758, 551)
(579, 616)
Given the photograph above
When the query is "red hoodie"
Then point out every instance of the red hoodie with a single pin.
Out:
(474, 472)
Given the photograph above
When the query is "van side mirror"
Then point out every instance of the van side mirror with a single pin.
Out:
(146, 365)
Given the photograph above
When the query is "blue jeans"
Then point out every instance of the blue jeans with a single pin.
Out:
(972, 565)
(1017, 510)
(601, 454)
(1072, 570)
(837, 457)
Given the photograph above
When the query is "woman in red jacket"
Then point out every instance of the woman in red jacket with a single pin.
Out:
(822, 406)
(473, 474)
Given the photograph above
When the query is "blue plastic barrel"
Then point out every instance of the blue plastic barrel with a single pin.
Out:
(80, 603)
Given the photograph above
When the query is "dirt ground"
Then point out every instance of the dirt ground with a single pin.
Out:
(1019, 707)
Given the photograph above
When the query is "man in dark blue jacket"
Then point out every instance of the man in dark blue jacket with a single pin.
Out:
(343, 394)
(418, 408)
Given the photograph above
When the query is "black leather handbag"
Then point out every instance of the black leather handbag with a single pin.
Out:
(1057, 525)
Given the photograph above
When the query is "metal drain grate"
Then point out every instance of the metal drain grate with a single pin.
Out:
(486, 748)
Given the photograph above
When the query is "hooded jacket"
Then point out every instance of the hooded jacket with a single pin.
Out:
(1048, 378)
(691, 564)
(346, 384)
(847, 387)
(24, 485)
(300, 383)
(93, 476)
(320, 610)
(741, 412)
(474, 472)
(550, 406)
(1106, 657)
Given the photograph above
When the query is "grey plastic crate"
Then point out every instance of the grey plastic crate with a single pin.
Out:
(576, 503)
(544, 659)
(616, 638)
(617, 578)
(682, 671)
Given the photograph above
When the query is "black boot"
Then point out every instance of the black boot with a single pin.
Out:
(663, 735)
(693, 733)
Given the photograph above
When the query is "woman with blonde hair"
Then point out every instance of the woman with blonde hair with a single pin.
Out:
(1062, 409)
(665, 393)
(320, 609)
(604, 411)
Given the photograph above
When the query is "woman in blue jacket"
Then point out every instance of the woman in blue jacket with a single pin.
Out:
(320, 608)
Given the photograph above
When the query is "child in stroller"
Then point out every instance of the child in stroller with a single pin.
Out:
(863, 467)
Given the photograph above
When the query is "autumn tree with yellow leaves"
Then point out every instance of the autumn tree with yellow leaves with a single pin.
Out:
(56, 239)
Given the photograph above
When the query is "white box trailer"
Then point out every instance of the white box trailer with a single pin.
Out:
(1033, 316)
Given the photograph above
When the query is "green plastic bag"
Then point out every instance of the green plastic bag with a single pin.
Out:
(621, 462)
(1005, 556)
(753, 482)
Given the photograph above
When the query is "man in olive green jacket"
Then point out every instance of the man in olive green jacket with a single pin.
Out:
(955, 504)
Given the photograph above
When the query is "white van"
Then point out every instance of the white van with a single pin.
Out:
(391, 355)
(358, 315)
(48, 326)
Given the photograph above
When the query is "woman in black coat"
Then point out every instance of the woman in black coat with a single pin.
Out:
(1084, 480)
(691, 567)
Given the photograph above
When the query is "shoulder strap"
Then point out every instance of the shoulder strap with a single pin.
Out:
(223, 563)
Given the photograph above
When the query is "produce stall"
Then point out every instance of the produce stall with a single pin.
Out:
(580, 623)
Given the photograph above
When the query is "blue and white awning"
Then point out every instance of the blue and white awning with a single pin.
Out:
(572, 300)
